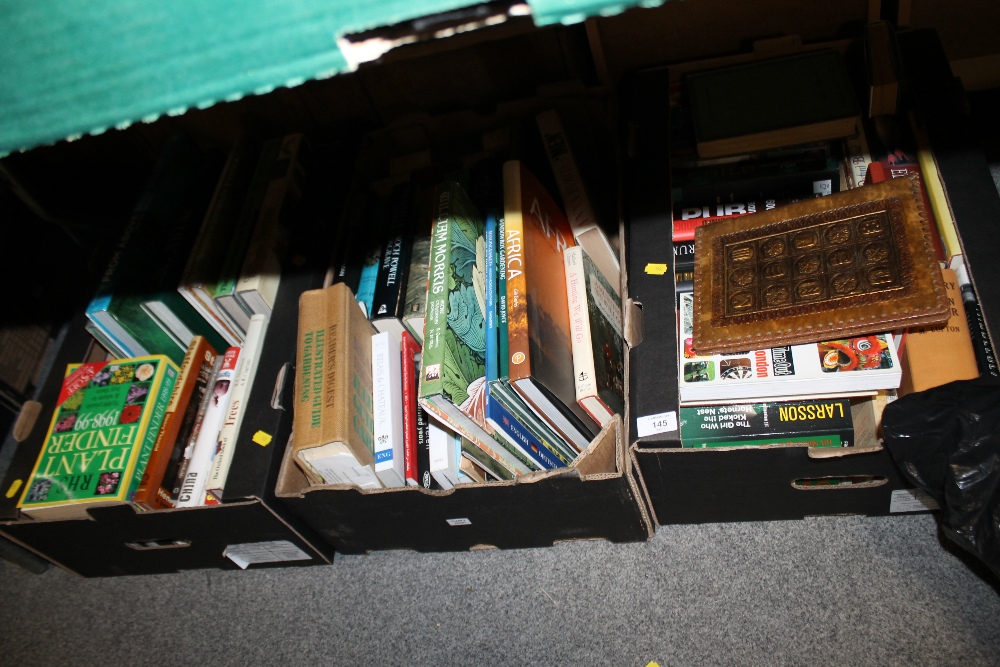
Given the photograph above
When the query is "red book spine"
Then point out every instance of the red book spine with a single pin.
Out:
(410, 350)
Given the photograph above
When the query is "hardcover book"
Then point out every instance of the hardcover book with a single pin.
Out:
(387, 402)
(453, 367)
(205, 447)
(814, 423)
(260, 273)
(176, 426)
(202, 271)
(795, 99)
(389, 296)
(333, 424)
(579, 212)
(835, 367)
(595, 315)
(832, 267)
(243, 379)
(103, 428)
(933, 356)
(135, 305)
(409, 370)
(538, 329)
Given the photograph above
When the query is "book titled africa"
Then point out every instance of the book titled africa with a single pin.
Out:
(453, 366)
(850, 366)
(105, 422)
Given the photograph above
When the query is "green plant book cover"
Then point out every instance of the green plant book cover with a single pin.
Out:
(102, 432)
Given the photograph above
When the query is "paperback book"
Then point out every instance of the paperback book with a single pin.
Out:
(387, 403)
(828, 368)
(103, 428)
(813, 423)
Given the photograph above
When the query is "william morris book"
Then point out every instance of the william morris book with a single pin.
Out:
(453, 368)
(176, 428)
(538, 328)
(333, 425)
(595, 315)
(103, 428)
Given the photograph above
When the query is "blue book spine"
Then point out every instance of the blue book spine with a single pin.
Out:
(527, 442)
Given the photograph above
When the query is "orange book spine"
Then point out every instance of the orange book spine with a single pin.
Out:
(517, 294)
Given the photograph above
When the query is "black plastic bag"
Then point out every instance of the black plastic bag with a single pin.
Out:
(946, 441)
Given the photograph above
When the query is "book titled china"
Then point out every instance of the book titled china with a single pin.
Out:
(103, 428)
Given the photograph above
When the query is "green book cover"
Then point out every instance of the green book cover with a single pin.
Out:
(101, 434)
(453, 366)
(820, 423)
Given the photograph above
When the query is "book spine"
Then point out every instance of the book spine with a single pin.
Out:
(168, 380)
(767, 422)
(521, 438)
(246, 371)
(503, 348)
(518, 353)
(410, 369)
(424, 477)
(579, 211)
(147, 492)
(184, 460)
(583, 358)
(687, 218)
(416, 283)
(229, 271)
(982, 346)
(192, 493)
(856, 157)
(387, 393)
(436, 317)
(389, 296)
(260, 273)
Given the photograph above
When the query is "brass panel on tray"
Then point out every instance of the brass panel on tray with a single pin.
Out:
(849, 264)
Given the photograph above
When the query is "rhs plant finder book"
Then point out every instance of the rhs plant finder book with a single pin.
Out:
(105, 422)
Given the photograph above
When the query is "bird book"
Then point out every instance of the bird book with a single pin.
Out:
(103, 428)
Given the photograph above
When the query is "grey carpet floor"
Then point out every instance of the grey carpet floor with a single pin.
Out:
(824, 591)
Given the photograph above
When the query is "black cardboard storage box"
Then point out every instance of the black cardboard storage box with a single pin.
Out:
(250, 528)
(596, 499)
(706, 485)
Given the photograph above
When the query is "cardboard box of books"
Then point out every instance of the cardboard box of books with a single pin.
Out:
(139, 465)
(480, 428)
(775, 433)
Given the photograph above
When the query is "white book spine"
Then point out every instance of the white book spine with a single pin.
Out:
(246, 370)
(203, 449)
(440, 448)
(387, 403)
(579, 323)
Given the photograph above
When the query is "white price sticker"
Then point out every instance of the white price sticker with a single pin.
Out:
(264, 552)
(458, 522)
(664, 422)
(911, 500)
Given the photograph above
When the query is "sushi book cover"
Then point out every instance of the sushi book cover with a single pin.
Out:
(101, 435)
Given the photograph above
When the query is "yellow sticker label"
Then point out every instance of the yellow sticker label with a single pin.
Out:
(656, 269)
(653, 664)
(261, 438)
(14, 488)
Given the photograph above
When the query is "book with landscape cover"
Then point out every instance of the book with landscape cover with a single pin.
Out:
(595, 314)
(204, 264)
(333, 423)
(148, 257)
(202, 451)
(538, 330)
(260, 273)
(829, 368)
(246, 371)
(453, 367)
(814, 423)
(177, 421)
(387, 403)
(102, 431)
(790, 100)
